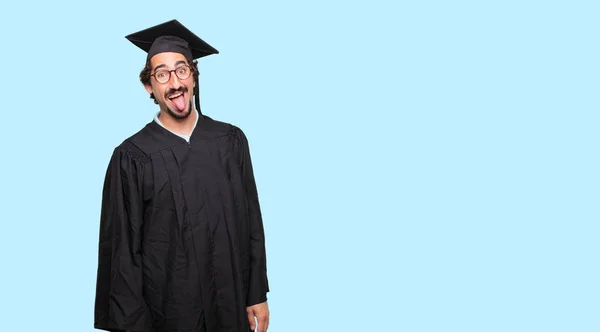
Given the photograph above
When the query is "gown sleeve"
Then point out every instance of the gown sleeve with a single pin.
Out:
(258, 286)
(119, 304)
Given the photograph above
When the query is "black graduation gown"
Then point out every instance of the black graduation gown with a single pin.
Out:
(181, 243)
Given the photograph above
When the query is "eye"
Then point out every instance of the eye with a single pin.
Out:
(161, 74)
(182, 70)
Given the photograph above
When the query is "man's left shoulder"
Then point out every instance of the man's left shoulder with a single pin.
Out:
(218, 126)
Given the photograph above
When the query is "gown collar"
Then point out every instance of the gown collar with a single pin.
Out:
(185, 137)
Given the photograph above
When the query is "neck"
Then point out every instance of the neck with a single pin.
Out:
(180, 126)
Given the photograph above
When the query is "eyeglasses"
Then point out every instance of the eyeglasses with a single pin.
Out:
(163, 75)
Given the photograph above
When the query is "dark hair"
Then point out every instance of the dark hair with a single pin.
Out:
(145, 74)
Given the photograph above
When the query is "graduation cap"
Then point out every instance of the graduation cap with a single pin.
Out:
(172, 36)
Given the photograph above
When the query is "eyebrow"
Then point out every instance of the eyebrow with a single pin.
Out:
(163, 65)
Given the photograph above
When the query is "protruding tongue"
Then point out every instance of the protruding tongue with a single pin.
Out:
(179, 102)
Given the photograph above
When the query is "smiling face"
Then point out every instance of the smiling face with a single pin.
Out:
(175, 95)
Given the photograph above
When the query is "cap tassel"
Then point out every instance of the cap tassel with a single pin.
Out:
(197, 93)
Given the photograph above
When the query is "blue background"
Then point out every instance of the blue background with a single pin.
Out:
(422, 166)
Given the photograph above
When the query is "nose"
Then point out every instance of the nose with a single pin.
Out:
(174, 81)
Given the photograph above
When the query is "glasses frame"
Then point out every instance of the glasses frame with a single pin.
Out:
(172, 70)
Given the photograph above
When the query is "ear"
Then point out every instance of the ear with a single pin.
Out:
(148, 88)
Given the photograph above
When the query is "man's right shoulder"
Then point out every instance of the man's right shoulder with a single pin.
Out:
(132, 145)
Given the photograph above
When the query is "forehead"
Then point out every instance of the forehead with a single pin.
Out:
(169, 59)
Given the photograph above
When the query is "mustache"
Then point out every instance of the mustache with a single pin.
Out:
(171, 91)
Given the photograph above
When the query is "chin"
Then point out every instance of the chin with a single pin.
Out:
(179, 114)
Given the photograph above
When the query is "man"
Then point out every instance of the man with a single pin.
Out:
(181, 243)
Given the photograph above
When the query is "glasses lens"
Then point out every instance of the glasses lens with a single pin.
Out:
(162, 76)
(183, 72)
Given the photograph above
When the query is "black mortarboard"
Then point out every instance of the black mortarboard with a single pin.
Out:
(172, 36)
